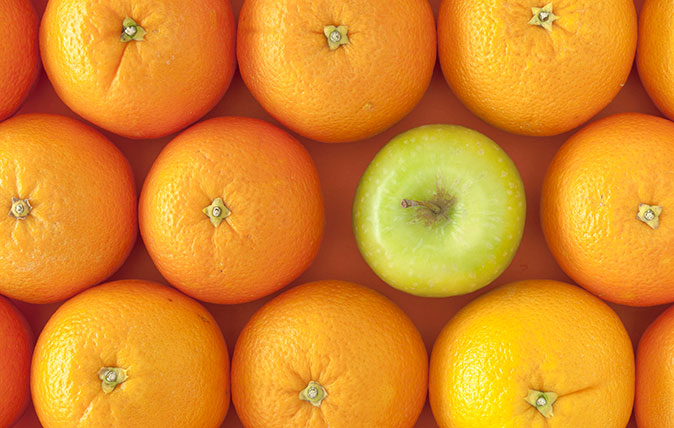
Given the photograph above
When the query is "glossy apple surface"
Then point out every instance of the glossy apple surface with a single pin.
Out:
(439, 211)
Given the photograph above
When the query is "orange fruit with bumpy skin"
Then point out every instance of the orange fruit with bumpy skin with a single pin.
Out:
(535, 354)
(16, 346)
(232, 210)
(654, 53)
(654, 405)
(140, 69)
(329, 353)
(337, 70)
(19, 58)
(606, 204)
(67, 207)
(131, 354)
(536, 67)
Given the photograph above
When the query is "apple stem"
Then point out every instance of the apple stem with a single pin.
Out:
(406, 203)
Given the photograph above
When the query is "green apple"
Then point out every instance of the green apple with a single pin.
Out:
(439, 211)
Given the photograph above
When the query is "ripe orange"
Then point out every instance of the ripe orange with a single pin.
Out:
(533, 354)
(16, 345)
(232, 210)
(654, 54)
(533, 67)
(654, 404)
(131, 354)
(68, 205)
(329, 353)
(19, 59)
(600, 191)
(141, 70)
(338, 70)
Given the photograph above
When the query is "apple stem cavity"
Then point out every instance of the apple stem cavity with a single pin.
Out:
(111, 377)
(407, 203)
(435, 210)
(336, 36)
(131, 31)
(20, 208)
(314, 393)
(542, 401)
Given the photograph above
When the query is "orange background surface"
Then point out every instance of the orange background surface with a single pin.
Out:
(340, 167)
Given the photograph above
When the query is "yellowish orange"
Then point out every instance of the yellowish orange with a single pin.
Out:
(535, 354)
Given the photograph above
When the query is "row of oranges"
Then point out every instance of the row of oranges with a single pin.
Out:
(137, 354)
(336, 71)
(227, 193)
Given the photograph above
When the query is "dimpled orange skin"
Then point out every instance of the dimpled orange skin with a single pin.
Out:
(83, 221)
(526, 80)
(139, 89)
(654, 404)
(16, 346)
(268, 181)
(542, 335)
(19, 57)
(170, 346)
(353, 341)
(589, 204)
(654, 54)
(347, 94)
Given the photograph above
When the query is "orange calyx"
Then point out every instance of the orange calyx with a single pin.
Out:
(314, 393)
(131, 31)
(20, 208)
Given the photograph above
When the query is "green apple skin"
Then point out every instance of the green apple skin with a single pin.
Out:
(482, 211)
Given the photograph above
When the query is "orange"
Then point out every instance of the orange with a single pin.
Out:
(67, 208)
(232, 210)
(600, 191)
(535, 67)
(654, 404)
(533, 354)
(337, 70)
(131, 354)
(19, 58)
(654, 54)
(16, 346)
(141, 69)
(329, 354)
